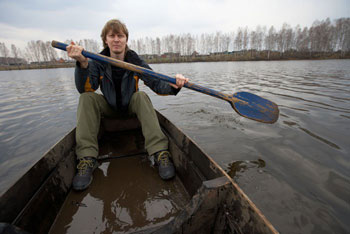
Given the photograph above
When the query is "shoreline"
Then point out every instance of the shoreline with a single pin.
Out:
(219, 57)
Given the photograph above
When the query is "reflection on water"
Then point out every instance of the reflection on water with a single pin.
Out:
(303, 186)
(131, 203)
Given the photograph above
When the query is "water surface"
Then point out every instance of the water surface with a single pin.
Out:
(297, 171)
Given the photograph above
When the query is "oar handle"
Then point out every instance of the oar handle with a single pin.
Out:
(142, 70)
(119, 63)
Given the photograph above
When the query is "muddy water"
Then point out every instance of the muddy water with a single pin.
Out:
(126, 195)
(296, 171)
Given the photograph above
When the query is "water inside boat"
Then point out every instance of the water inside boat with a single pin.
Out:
(126, 194)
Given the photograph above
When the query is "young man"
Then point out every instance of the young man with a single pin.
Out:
(120, 95)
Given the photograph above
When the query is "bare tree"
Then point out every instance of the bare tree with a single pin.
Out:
(315, 33)
(327, 31)
(270, 39)
(225, 41)
(289, 36)
(14, 51)
(253, 40)
(301, 39)
(342, 32)
(284, 38)
(132, 45)
(28, 55)
(189, 44)
(153, 46)
(260, 31)
(52, 54)
(90, 45)
(231, 41)
(182, 48)
(177, 45)
(158, 46)
(34, 51)
(4, 52)
(239, 40)
(140, 46)
(209, 42)
(216, 41)
(245, 38)
(43, 50)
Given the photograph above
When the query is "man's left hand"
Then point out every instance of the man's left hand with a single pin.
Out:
(180, 81)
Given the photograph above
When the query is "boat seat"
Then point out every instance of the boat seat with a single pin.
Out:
(120, 124)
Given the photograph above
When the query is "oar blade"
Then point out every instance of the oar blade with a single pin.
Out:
(254, 107)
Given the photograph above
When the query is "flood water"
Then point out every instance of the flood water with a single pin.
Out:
(297, 170)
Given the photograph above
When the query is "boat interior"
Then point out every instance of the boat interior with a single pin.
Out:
(127, 195)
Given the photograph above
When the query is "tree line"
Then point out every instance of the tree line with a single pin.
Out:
(322, 36)
(41, 52)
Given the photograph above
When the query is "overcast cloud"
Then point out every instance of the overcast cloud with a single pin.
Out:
(22, 21)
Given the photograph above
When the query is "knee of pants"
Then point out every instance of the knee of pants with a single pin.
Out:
(141, 96)
(87, 98)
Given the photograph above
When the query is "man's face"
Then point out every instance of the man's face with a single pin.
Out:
(116, 42)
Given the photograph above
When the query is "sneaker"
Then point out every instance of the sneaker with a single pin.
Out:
(165, 166)
(83, 177)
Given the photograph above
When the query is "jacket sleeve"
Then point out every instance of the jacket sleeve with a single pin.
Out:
(87, 79)
(158, 86)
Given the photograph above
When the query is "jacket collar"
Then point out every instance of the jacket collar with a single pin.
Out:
(106, 52)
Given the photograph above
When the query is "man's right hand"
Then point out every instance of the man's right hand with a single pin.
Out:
(75, 52)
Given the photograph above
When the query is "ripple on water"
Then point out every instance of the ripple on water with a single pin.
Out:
(293, 170)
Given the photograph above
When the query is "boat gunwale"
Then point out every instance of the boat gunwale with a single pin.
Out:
(207, 168)
(40, 170)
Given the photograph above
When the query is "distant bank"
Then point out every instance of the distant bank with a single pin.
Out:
(249, 55)
(36, 66)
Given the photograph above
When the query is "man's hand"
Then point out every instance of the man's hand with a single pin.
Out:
(180, 81)
(75, 52)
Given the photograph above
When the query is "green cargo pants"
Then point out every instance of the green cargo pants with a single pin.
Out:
(93, 106)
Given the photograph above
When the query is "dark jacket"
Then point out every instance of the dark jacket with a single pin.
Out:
(99, 74)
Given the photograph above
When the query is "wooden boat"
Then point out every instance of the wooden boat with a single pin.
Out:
(127, 194)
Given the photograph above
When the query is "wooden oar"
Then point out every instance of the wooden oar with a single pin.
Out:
(246, 104)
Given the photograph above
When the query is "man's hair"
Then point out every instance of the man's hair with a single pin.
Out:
(116, 26)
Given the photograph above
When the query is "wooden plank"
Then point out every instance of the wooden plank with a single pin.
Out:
(179, 138)
(199, 215)
(243, 216)
(203, 220)
(208, 167)
(15, 198)
(120, 124)
(40, 212)
(189, 174)
(204, 162)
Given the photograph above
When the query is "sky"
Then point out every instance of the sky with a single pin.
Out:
(24, 20)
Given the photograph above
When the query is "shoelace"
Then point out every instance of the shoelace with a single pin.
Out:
(83, 165)
(163, 158)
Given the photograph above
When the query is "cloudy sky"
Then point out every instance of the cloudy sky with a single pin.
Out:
(25, 20)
